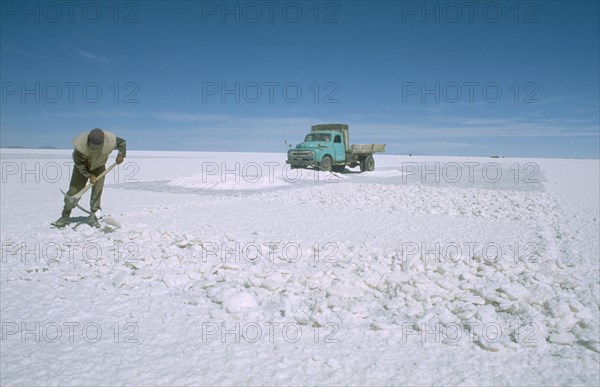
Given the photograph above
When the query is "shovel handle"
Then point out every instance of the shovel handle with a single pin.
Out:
(79, 194)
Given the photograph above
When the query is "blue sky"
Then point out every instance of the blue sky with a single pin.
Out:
(439, 78)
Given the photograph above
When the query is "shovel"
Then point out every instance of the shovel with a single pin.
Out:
(73, 200)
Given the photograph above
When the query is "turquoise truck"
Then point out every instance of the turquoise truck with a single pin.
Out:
(327, 147)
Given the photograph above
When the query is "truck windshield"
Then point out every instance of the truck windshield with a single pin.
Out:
(317, 137)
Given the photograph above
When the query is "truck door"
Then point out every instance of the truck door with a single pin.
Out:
(339, 151)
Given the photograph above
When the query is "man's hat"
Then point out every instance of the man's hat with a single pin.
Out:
(96, 137)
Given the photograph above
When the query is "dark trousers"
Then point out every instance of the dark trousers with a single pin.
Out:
(78, 181)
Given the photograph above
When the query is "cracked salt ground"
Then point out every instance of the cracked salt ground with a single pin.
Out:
(354, 282)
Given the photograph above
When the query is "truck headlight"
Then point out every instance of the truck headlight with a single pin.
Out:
(311, 153)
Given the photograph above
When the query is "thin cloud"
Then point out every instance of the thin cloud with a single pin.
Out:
(439, 145)
(111, 113)
(92, 57)
(18, 51)
(168, 66)
(242, 122)
(447, 127)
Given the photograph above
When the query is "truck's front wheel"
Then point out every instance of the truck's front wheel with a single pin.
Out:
(368, 164)
(326, 163)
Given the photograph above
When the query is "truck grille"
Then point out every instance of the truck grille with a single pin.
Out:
(300, 154)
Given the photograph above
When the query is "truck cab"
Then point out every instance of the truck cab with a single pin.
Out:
(317, 145)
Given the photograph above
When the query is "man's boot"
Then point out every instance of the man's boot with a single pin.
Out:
(93, 220)
(63, 220)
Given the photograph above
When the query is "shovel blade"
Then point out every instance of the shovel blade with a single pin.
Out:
(112, 222)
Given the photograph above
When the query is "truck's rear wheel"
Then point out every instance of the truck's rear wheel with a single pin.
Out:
(326, 163)
(368, 164)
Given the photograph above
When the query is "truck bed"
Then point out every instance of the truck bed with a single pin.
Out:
(367, 148)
